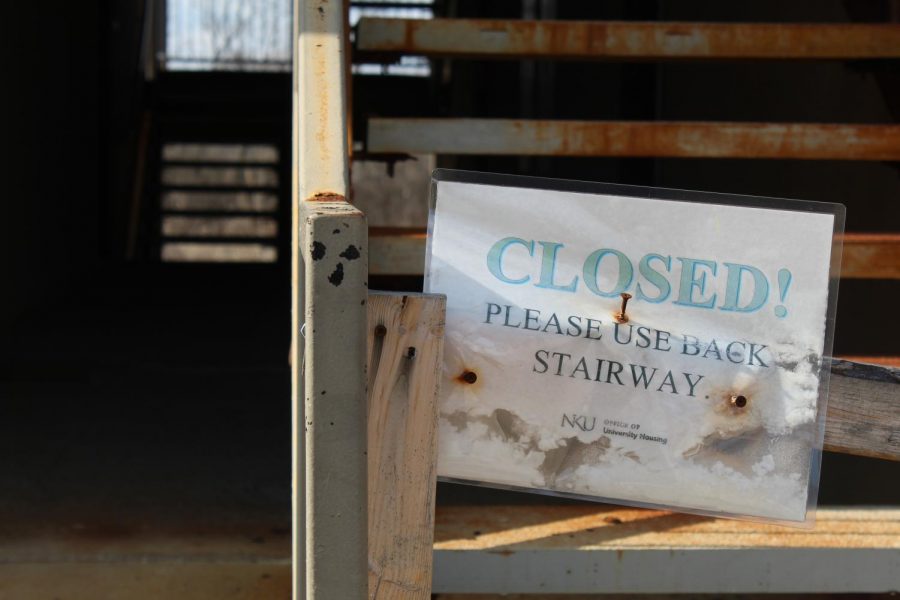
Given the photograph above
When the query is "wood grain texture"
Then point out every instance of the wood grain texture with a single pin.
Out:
(616, 40)
(405, 350)
(582, 549)
(602, 526)
(864, 410)
(674, 139)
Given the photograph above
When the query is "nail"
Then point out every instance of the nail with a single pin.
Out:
(739, 401)
(620, 316)
(469, 377)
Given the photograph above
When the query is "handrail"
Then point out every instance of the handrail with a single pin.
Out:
(329, 265)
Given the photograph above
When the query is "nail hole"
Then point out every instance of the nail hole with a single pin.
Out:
(739, 401)
(380, 331)
(469, 377)
(410, 352)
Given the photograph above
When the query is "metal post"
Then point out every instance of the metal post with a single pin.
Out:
(330, 258)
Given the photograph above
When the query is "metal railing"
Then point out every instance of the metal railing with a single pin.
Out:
(329, 319)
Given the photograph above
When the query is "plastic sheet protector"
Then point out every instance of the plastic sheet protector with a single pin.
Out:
(634, 345)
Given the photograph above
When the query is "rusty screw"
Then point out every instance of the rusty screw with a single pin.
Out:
(469, 377)
(739, 401)
(380, 331)
(620, 316)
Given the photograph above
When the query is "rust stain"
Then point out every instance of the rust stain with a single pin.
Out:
(327, 197)
(603, 39)
(676, 139)
(739, 401)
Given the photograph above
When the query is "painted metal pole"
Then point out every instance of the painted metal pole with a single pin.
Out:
(329, 258)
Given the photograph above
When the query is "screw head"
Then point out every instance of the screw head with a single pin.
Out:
(739, 401)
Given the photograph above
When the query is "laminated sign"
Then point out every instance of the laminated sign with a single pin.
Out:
(636, 345)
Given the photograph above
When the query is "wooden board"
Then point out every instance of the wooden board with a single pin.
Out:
(864, 410)
(405, 350)
(397, 251)
(611, 40)
(519, 137)
(608, 549)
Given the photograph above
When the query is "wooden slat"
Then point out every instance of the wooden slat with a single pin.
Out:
(864, 410)
(612, 527)
(808, 141)
(612, 40)
(887, 361)
(871, 256)
(606, 549)
(405, 350)
(866, 256)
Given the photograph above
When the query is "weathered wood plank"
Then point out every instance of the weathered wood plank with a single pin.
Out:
(864, 410)
(606, 549)
(866, 255)
(519, 137)
(605, 526)
(405, 355)
(612, 40)
(887, 361)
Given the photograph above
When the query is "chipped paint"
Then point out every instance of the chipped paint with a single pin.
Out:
(337, 276)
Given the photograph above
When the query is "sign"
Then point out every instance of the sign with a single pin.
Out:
(706, 396)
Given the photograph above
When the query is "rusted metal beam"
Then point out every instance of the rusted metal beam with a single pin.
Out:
(871, 256)
(613, 40)
(636, 139)
(396, 251)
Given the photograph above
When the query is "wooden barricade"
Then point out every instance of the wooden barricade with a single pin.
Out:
(405, 352)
